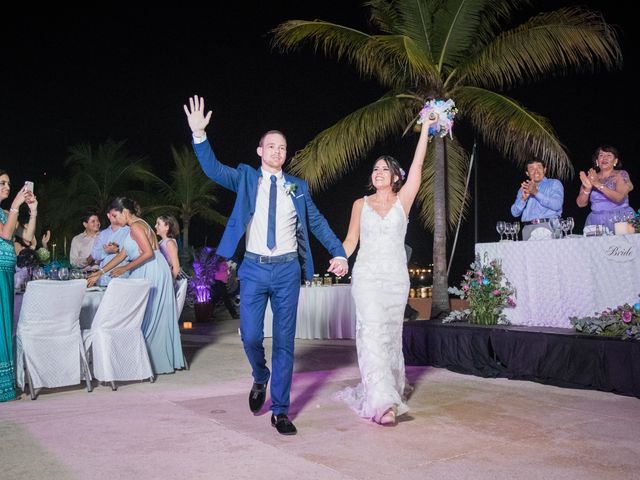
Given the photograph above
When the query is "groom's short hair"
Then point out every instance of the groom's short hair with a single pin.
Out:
(269, 133)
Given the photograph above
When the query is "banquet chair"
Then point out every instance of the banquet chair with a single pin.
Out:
(181, 296)
(49, 348)
(115, 340)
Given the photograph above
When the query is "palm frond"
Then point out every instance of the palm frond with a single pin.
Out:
(550, 44)
(383, 15)
(336, 150)
(513, 130)
(457, 200)
(370, 57)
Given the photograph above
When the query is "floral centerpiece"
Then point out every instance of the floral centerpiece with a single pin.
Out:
(622, 321)
(488, 292)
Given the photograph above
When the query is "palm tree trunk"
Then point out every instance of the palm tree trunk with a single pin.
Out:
(440, 300)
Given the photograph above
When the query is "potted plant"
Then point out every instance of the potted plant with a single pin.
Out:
(199, 289)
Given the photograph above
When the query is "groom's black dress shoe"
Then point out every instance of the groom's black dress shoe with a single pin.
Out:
(282, 423)
(257, 395)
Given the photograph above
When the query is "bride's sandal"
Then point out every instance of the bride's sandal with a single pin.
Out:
(388, 419)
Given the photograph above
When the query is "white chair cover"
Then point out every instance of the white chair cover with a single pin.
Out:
(48, 338)
(181, 295)
(118, 346)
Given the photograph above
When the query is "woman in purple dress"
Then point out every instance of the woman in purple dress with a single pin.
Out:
(607, 188)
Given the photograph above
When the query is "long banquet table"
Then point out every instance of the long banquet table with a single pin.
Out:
(561, 278)
(323, 312)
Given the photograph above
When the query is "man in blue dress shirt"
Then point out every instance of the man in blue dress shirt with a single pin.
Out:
(107, 246)
(539, 199)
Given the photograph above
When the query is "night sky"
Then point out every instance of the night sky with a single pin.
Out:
(126, 76)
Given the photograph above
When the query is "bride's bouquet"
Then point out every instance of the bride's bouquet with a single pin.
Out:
(444, 110)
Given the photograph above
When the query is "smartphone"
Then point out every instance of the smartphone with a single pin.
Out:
(29, 185)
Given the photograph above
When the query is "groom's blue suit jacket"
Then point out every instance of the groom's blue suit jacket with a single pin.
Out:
(244, 181)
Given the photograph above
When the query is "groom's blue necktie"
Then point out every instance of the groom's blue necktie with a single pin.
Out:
(271, 229)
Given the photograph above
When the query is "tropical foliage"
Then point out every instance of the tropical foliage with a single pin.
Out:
(96, 175)
(189, 193)
(466, 50)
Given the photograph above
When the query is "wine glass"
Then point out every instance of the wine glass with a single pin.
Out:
(508, 230)
(63, 273)
(565, 227)
(556, 226)
(38, 273)
(571, 224)
(500, 227)
(516, 230)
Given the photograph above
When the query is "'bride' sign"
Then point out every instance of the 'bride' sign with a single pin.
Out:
(620, 250)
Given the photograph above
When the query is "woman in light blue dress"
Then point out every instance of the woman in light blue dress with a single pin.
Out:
(8, 222)
(160, 325)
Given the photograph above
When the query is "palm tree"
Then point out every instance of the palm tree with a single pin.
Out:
(98, 174)
(190, 193)
(459, 49)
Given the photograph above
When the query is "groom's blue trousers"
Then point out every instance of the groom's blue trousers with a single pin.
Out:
(280, 283)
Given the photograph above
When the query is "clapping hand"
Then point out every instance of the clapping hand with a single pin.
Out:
(586, 182)
(525, 189)
(45, 239)
(195, 115)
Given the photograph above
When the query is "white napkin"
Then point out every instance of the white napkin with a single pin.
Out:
(590, 230)
(540, 233)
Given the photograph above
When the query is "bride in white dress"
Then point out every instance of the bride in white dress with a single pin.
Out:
(380, 285)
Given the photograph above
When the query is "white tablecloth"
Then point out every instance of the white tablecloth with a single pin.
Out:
(323, 312)
(90, 303)
(558, 279)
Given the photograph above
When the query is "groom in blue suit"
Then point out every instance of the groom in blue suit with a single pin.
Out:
(275, 213)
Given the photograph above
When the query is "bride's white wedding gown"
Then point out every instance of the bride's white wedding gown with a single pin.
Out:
(380, 288)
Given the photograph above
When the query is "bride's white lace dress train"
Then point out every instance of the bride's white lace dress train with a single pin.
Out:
(380, 288)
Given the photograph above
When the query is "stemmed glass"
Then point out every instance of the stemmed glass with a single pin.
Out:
(516, 230)
(63, 273)
(571, 224)
(38, 273)
(508, 230)
(500, 227)
(564, 224)
(556, 226)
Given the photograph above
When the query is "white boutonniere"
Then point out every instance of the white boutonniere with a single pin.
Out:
(290, 188)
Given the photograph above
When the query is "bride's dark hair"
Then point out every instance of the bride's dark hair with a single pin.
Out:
(396, 171)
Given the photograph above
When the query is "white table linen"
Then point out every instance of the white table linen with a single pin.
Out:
(558, 279)
(323, 312)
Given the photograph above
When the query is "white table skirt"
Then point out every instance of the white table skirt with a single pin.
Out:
(323, 312)
(558, 279)
(90, 303)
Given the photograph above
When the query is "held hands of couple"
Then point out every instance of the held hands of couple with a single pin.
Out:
(338, 266)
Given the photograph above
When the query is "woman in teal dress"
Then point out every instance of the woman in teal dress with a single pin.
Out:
(160, 324)
(8, 222)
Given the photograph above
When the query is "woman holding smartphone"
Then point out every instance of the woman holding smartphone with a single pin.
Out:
(8, 223)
